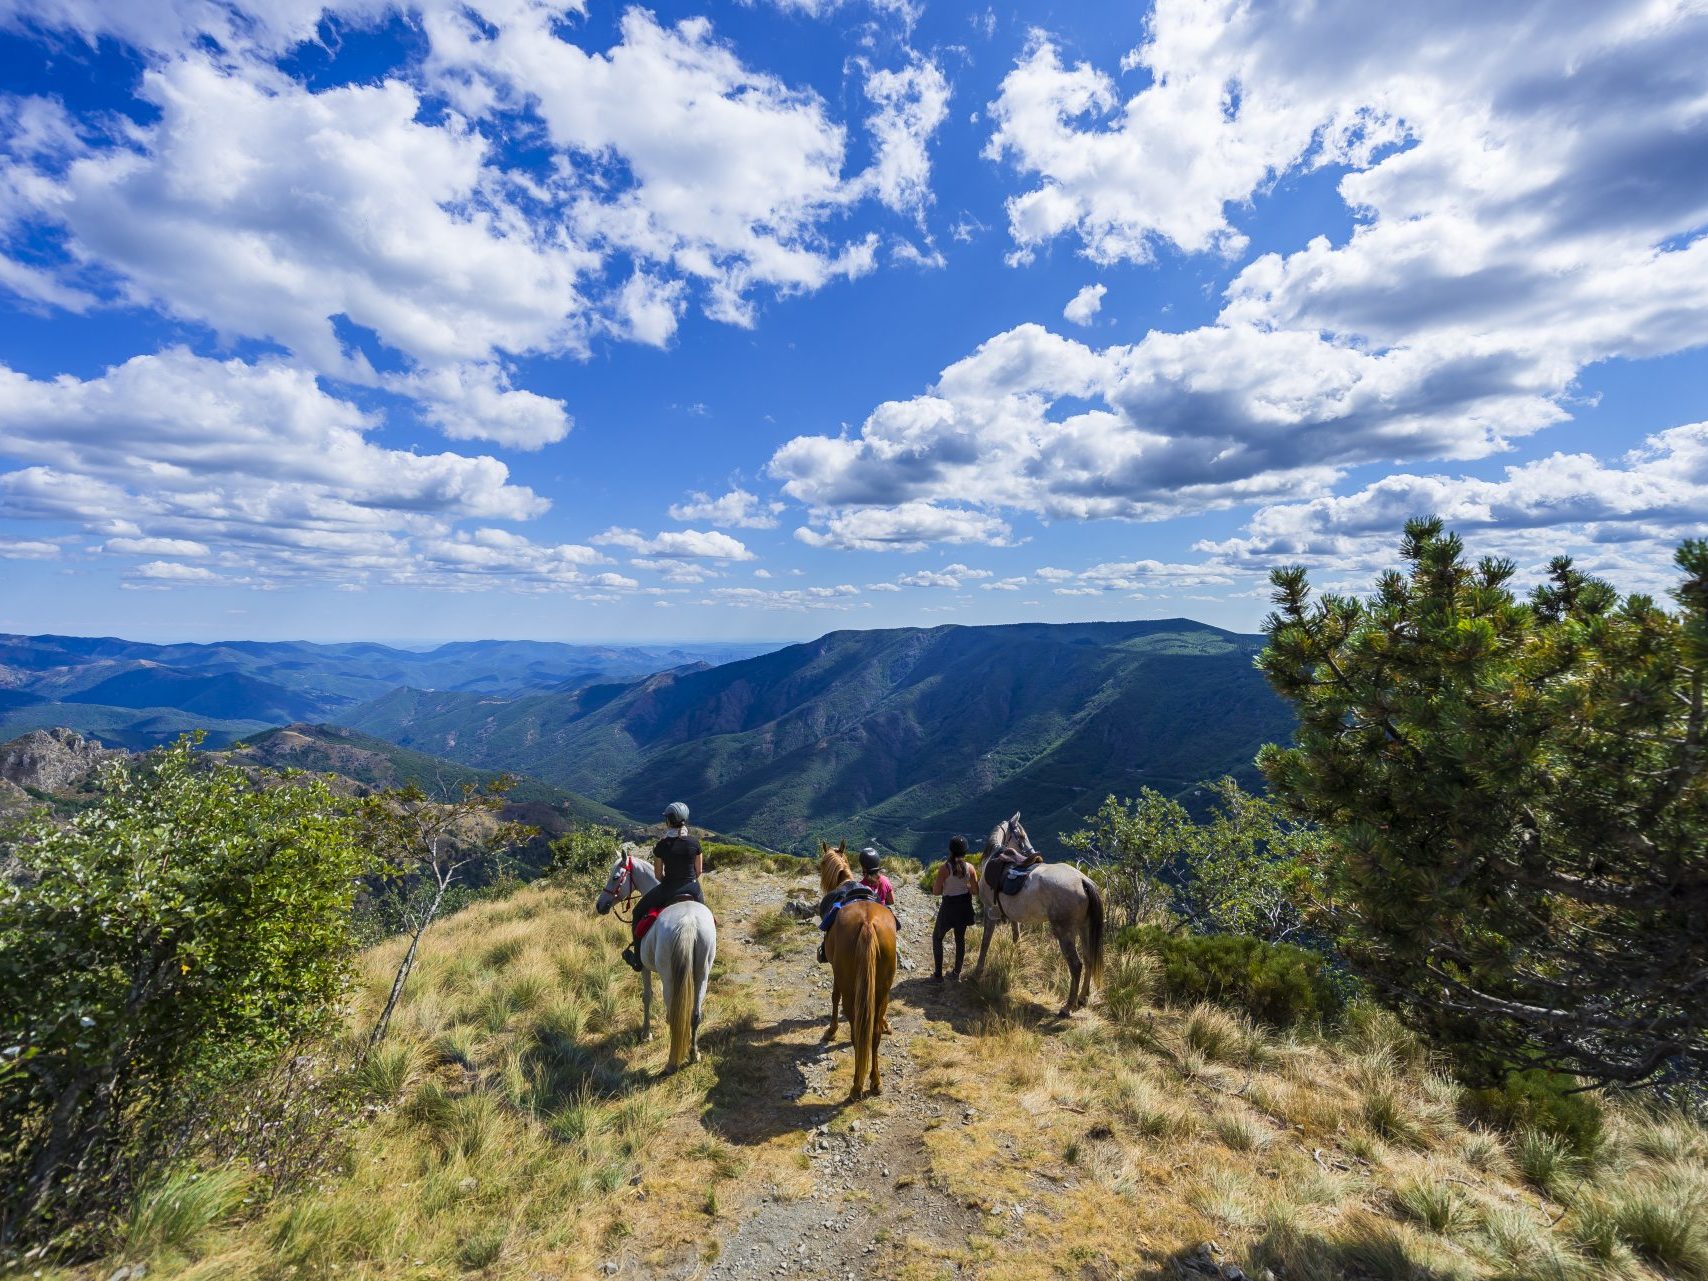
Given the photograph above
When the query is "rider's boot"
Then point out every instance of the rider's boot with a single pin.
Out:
(631, 954)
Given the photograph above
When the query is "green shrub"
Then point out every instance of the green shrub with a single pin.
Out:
(1276, 983)
(584, 852)
(161, 948)
(1539, 1100)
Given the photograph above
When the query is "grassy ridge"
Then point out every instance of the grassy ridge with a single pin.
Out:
(514, 1126)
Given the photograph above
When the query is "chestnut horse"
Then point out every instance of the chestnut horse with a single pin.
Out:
(861, 949)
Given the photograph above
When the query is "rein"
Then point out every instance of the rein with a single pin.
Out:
(629, 880)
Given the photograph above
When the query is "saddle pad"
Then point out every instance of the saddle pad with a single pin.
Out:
(645, 923)
(1015, 881)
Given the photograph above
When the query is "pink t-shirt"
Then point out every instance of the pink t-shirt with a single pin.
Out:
(886, 891)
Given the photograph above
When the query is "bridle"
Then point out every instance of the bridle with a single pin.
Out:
(626, 877)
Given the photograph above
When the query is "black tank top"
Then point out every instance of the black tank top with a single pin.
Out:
(678, 854)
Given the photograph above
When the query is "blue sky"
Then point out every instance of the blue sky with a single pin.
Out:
(464, 318)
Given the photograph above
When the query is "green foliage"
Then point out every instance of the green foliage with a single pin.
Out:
(168, 941)
(1246, 869)
(1276, 983)
(583, 852)
(1515, 802)
(1543, 1101)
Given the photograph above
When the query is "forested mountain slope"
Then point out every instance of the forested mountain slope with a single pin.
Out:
(903, 736)
(138, 695)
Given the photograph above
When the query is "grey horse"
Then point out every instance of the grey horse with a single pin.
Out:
(1056, 893)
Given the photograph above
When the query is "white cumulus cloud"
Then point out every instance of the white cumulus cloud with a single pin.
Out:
(709, 544)
(1084, 305)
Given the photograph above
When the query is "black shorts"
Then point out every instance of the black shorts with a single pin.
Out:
(955, 912)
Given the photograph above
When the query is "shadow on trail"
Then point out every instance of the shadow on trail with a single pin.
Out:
(968, 1010)
(1366, 1247)
(761, 1079)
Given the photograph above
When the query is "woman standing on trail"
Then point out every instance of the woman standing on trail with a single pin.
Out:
(677, 863)
(955, 882)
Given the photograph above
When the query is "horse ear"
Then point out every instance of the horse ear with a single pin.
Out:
(824, 847)
(1015, 821)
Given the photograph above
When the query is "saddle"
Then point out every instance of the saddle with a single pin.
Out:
(1008, 875)
(841, 897)
(646, 920)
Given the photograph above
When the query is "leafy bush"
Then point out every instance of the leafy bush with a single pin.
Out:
(584, 852)
(168, 942)
(1276, 983)
(1513, 798)
(1246, 869)
(1539, 1100)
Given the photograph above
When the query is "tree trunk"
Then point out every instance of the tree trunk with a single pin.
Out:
(407, 964)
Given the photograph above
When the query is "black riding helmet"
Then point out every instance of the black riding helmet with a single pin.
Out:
(957, 847)
(869, 860)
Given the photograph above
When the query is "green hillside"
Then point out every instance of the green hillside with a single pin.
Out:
(137, 729)
(904, 736)
(374, 763)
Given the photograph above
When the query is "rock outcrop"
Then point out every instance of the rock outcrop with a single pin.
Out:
(51, 760)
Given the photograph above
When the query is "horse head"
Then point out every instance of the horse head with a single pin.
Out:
(620, 882)
(833, 867)
(1017, 836)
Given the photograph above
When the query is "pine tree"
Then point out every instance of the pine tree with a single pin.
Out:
(1515, 798)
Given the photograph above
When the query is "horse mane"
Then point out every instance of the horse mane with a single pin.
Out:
(833, 869)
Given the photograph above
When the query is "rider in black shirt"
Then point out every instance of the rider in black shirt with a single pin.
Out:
(676, 861)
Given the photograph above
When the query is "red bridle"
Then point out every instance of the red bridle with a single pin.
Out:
(628, 879)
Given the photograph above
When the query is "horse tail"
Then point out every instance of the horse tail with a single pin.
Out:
(863, 1016)
(681, 984)
(1093, 932)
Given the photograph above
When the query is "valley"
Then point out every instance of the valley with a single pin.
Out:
(906, 736)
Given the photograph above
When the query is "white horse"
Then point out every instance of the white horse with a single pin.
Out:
(679, 948)
(1056, 893)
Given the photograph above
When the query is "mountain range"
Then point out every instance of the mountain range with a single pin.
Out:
(133, 694)
(903, 736)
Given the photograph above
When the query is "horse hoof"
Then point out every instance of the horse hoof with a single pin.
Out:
(828, 1037)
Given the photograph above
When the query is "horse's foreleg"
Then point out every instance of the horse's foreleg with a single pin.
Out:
(835, 997)
(984, 942)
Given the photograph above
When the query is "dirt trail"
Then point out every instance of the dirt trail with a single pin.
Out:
(865, 1204)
